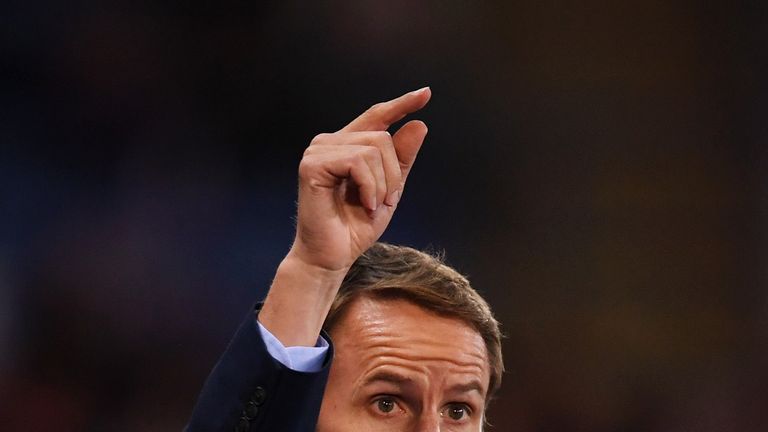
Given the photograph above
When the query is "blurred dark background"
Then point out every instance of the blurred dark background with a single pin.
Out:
(598, 169)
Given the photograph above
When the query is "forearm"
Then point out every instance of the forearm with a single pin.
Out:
(299, 300)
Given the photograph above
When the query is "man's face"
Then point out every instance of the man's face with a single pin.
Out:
(399, 367)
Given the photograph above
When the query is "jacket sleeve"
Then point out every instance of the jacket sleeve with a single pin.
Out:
(249, 391)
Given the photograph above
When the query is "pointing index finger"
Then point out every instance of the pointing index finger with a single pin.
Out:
(380, 116)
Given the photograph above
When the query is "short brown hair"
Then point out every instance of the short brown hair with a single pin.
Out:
(387, 271)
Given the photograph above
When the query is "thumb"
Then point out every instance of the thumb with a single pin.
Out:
(407, 141)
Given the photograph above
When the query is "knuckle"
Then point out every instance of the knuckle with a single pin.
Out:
(377, 108)
(372, 152)
(319, 139)
(305, 168)
(382, 138)
(357, 159)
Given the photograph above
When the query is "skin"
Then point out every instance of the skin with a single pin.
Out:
(402, 368)
(350, 182)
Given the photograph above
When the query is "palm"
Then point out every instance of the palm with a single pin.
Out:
(337, 227)
(338, 174)
(363, 227)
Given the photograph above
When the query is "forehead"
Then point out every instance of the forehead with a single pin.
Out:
(376, 333)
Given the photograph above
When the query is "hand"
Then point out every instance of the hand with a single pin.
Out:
(350, 183)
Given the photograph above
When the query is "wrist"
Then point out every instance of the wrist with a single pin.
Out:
(299, 300)
(321, 277)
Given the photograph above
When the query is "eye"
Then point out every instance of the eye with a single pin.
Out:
(385, 405)
(456, 411)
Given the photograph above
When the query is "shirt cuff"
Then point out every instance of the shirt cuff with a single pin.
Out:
(297, 358)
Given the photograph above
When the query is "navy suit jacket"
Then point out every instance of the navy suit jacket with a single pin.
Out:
(249, 391)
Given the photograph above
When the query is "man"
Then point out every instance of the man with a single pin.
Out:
(410, 346)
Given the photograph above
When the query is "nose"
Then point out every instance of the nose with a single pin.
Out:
(428, 423)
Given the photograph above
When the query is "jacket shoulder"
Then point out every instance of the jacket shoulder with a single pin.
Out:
(249, 391)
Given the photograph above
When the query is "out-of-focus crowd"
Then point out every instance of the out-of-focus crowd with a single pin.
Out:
(599, 170)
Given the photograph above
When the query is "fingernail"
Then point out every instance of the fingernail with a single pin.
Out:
(419, 91)
(393, 198)
(372, 203)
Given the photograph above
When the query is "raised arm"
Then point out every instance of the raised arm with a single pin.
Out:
(350, 182)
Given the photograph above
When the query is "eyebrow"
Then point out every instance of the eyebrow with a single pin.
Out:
(403, 381)
(473, 385)
(389, 377)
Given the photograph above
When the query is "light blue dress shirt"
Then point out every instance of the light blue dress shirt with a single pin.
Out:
(298, 358)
